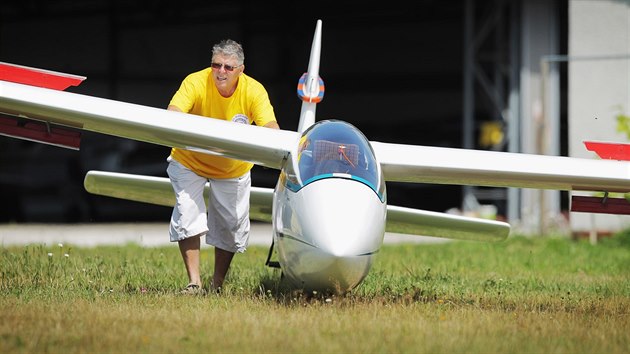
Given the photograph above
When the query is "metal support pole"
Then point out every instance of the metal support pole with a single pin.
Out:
(469, 93)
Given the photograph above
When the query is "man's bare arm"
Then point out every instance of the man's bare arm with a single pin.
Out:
(272, 124)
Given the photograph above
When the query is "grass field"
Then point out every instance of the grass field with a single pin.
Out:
(525, 295)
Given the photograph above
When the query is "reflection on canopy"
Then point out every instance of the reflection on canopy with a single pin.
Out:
(333, 148)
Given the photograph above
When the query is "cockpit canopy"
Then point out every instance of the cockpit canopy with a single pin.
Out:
(334, 149)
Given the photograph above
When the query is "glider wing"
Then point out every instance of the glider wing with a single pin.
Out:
(412, 163)
(158, 190)
(259, 145)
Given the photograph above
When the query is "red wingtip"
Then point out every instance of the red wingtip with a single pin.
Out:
(38, 77)
(609, 151)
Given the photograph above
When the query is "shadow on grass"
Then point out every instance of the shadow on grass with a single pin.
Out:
(280, 290)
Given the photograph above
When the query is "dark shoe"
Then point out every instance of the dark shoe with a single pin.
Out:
(192, 289)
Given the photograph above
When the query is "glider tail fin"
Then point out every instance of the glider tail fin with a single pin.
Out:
(310, 86)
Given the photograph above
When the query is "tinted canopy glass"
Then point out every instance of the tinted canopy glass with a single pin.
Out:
(335, 148)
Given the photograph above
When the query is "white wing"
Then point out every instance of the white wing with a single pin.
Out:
(269, 147)
(158, 190)
(429, 223)
(411, 163)
(262, 146)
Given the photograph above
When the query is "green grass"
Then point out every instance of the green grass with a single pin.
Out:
(525, 295)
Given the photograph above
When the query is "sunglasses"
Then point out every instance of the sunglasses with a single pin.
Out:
(218, 66)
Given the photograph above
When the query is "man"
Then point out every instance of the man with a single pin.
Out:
(221, 91)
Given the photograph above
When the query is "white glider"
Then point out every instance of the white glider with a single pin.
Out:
(329, 208)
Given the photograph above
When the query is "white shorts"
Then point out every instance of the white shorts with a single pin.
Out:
(225, 222)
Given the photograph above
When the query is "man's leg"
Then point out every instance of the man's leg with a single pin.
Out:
(189, 248)
(188, 217)
(228, 222)
(222, 260)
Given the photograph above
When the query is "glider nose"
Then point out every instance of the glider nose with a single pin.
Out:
(349, 228)
(342, 236)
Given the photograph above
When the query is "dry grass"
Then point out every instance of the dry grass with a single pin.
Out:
(524, 296)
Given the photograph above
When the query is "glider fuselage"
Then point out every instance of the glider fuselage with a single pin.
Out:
(329, 209)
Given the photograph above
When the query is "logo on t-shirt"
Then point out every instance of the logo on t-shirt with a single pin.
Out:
(240, 118)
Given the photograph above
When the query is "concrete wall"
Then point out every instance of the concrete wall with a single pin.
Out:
(599, 88)
(539, 38)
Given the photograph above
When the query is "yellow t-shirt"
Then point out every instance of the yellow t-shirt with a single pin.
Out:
(198, 95)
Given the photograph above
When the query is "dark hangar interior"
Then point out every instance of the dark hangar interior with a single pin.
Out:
(395, 71)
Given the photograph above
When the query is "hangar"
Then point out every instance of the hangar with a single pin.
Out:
(523, 76)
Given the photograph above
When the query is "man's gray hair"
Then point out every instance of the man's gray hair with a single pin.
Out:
(229, 47)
